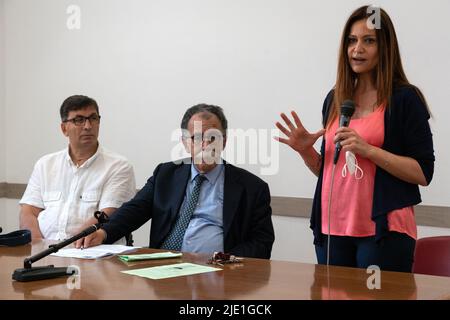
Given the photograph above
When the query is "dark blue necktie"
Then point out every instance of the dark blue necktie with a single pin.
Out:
(175, 239)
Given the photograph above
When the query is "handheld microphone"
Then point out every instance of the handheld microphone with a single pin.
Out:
(347, 110)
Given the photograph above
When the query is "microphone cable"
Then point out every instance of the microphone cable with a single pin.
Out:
(328, 213)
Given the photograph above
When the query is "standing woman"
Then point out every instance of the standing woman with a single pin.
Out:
(371, 213)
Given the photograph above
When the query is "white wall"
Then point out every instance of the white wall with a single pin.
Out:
(10, 221)
(2, 96)
(3, 215)
(2, 113)
(145, 62)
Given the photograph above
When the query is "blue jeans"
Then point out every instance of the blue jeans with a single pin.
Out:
(395, 252)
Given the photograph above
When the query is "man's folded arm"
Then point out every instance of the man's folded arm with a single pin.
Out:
(28, 220)
(261, 235)
(132, 214)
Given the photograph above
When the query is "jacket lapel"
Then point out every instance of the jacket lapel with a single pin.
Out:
(232, 196)
(180, 181)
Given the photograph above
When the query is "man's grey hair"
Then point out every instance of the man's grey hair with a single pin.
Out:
(200, 108)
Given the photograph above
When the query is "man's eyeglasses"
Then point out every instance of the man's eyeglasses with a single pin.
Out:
(197, 138)
(221, 258)
(80, 120)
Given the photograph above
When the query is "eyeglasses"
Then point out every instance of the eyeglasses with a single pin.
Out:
(196, 138)
(221, 258)
(80, 120)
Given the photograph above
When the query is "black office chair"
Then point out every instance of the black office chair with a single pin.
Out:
(432, 256)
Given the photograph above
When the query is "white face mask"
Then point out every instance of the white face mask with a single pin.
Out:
(352, 164)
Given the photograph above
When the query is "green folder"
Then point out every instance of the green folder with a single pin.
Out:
(149, 256)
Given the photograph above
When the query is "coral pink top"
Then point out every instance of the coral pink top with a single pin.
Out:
(351, 202)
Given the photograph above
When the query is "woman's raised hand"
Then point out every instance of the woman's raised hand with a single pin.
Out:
(298, 138)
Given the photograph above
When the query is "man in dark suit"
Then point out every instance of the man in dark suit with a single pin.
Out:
(200, 204)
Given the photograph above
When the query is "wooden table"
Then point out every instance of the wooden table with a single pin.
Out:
(254, 279)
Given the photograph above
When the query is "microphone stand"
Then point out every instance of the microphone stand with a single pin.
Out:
(347, 110)
(29, 273)
(328, 211)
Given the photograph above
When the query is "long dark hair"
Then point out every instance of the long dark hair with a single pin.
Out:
(388, 73)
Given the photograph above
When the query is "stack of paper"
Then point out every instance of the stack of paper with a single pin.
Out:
(94, 252)
(149, 256)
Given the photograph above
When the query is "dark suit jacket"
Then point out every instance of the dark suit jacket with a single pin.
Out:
(247, 221)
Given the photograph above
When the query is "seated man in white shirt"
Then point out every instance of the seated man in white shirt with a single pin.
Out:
(67, 187)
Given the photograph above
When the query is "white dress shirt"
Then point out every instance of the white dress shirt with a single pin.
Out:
(69, 195)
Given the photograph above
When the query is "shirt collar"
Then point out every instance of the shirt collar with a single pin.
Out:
(211, 176)
(88, 162)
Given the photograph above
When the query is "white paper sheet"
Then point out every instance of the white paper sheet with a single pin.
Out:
(100, 251)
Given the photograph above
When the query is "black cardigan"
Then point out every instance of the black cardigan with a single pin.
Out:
(406, 133)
